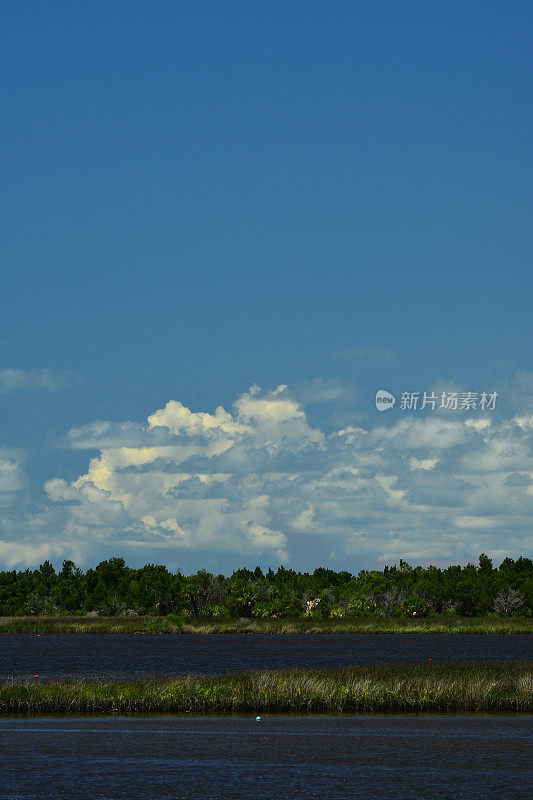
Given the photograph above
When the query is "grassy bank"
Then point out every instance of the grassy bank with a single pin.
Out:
(377, 689)
(71, 624)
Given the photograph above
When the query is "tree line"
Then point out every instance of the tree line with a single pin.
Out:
(113, 588)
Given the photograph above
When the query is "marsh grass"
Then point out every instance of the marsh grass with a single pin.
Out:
(73, 624)
(440, 688)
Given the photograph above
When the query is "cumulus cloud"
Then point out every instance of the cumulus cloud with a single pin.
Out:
(254, 480)
(259, 482)
(192, 480)
(13, 379)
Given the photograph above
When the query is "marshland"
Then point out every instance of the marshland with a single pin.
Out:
(442, 688)
(243, 625)
(393, 640)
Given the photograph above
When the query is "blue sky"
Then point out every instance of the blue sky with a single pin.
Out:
(200, 198)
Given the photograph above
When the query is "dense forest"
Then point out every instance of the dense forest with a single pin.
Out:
(112, 588)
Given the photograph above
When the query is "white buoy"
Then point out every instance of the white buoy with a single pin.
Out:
(258, 719)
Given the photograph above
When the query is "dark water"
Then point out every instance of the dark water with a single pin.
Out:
(237, 758)
(131, 656)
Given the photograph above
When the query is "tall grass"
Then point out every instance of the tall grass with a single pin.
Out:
(369, 689)
(73, 624)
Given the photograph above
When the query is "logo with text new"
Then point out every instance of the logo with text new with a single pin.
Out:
(384, 400)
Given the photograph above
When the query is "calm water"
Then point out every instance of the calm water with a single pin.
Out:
(131, 656)
(237, 758)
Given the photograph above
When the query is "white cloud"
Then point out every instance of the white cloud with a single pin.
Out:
(15, 554)
(12, 473)
(425, 432)
(179, 419)
(259, 481)
(423, 463)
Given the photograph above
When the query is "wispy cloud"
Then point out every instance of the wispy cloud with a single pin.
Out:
(13, 379)
(365, 355)
(13, 477)
(326, 390)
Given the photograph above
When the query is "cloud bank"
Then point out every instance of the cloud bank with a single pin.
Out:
(261, 484)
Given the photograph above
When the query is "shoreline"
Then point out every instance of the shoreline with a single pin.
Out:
(250, 626)
(386, 689)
